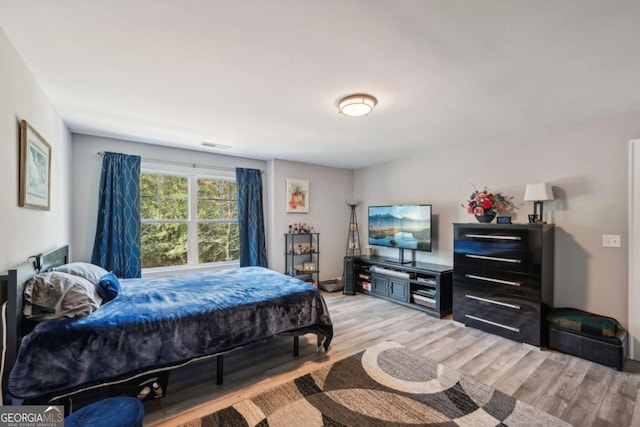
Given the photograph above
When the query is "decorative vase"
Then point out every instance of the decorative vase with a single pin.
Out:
(487, 217)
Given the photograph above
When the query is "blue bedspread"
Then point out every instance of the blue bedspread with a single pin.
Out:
(163, 322)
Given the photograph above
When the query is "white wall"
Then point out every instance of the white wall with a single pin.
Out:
(23, 231)
(329, 188)
(586, 165)
(87, 165)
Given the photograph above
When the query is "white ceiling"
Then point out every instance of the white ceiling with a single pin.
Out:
(264, 76)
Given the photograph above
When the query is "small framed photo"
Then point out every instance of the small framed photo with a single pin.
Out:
(309, 266)
(35, 169)
(297, 195)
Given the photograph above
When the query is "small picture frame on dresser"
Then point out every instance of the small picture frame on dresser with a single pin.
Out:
(503, 220)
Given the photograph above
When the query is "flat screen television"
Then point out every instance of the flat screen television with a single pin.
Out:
(401, 226)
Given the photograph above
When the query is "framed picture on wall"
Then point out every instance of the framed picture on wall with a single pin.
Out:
(35, 169)
(297, 195)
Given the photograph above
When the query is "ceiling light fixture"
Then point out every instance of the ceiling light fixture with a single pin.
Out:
(212, 145)
(357, 105)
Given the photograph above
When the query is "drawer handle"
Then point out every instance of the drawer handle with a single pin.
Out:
(504, 304)
(493, 258)
(491, 236)
(500, 325)
(491, 279)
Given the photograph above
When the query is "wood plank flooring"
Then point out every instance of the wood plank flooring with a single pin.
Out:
(578, 391)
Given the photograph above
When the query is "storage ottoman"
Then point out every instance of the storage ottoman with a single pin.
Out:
(589, 336)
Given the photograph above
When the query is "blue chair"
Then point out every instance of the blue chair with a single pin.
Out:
(110, 412)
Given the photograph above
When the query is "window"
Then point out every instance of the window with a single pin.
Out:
(188, 219)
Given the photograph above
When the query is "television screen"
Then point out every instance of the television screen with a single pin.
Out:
(401, 226)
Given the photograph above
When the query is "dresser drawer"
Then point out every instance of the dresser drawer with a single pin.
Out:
(494, 256)
(493, 298)
(482, 277)
(521, 329)
(507, 237)
(500, 320)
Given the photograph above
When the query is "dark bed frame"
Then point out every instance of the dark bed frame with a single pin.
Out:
(18, 326)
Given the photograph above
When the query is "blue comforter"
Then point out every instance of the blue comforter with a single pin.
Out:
(163, 322)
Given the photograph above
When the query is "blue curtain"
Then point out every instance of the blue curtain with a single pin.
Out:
(117, 244)
(253, 250)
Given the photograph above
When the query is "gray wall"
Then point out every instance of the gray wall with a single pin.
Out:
(587, 166)
(23, 231)
(329, 188)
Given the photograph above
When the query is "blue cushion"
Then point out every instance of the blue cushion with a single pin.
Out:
(111, 412)
(108, 287)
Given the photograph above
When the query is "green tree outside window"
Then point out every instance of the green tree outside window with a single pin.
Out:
(165, 206)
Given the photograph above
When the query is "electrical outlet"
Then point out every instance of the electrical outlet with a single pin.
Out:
(611, 240)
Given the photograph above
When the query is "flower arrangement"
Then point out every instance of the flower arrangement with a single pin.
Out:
(482, 202)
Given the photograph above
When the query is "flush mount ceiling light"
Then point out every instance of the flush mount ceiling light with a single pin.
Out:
(357, 105)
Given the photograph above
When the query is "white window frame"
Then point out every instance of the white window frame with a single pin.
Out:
(192, 175)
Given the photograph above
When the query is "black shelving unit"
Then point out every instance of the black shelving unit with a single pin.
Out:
(302, 256)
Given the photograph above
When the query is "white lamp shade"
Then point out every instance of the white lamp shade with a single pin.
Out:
(538, 192)
(357, 105)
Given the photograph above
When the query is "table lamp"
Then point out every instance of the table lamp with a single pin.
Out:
(537, 193)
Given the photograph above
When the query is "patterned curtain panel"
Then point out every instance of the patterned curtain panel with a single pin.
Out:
(253, 250)
(117, 243)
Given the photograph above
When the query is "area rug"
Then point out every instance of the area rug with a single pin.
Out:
(386, 385)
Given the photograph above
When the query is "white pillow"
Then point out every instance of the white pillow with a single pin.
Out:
(91, 272)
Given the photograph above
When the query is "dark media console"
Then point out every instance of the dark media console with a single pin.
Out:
(423, 286)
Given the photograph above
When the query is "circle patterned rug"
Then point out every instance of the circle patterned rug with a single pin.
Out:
(385, 385)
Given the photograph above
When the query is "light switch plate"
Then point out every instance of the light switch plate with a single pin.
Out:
(611, 240)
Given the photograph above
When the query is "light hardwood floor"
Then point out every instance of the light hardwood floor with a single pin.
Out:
(578, 391)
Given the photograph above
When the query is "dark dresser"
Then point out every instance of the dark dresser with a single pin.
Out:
(503, 278)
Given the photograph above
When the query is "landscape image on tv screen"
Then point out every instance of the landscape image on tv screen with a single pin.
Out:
(401, 226)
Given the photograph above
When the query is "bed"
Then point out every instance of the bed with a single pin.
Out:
(153, 325)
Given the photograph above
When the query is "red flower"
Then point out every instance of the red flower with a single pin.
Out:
(486, 203)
